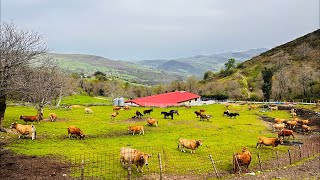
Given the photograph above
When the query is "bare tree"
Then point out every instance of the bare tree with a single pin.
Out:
(17, 48)
(191, 84)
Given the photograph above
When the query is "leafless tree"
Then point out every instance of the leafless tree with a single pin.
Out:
(17, 48)
(191, 84)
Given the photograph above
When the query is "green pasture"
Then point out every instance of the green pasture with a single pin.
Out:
(222, 136)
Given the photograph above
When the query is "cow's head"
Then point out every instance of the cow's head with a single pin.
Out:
(144, 159)
(199, 142)
(129, 128)
(13, 125)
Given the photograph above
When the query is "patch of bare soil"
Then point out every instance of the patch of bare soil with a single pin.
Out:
(13, 166)
(306, 170)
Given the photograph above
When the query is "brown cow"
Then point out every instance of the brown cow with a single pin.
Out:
(304, 122)
(278, 127)
(285, 132)
(204, 116)
(197, 113)
(152, 121)
(241, 159)
(292, 124)
(274, 142)
(74, 130)
(189, 144)
(53, 117)
(136, 157)
(116, 108)
(30, 119)
(126, 107)
(134, 129)
(278, 120)
(25, 129)
(305, 128)
(114, 115)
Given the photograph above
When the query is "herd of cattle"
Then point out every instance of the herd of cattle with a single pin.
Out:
(140, 158)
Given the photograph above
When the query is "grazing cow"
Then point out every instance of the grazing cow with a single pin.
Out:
(25, 129)
(273, 108)
(126, 107)
(148, 111)
(134, 129)
(30, 119)
(174, 112)
(241, 159)
(166, 114)
(189, 144)
(116, 108)
(138, 114)
(74, 130)
(204, 116)
(202, 110)
(278, 127)
(53, 117)
(233, 115)
(278, 120)
(252, 107)
(274, 142)
(226, 113)
(88, 110)
(114, 115)
(197, 113)
(292, 124)
(305, 128)
(303, 122)
(285, 132)
(136, 157)
(152, 121)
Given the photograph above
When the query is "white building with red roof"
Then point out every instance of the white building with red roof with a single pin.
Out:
(177, 98)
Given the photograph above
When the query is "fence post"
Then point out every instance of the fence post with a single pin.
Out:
(312, 149)
(160, 165)
(129, 168)
(235, 162)
(289, 156)
(259, 162)
(214, 166)
(300, 153)
(307, 151)
(277, 159)
(82, 170)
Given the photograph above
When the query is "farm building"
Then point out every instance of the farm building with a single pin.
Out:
(177, 98)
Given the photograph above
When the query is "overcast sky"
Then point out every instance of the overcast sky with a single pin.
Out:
(152, 29)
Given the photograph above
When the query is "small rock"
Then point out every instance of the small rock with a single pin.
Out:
(64, 175)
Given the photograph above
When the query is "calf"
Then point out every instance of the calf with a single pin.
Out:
(138, 114)
(189, 144)
(25, 129)
(88, 110)
(274, 142)
(285, 132)
(152, 121)
(74, 130)
(53, 117)
(204, 116)
(135, 157)
(148, 111)
(233, 115)
(114, 115)
(134, 129)
(241, 159)
(305, 128)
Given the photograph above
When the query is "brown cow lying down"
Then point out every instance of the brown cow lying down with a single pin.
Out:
(274, 142)
(152, 121)
(53, 117)
(241, 159)
(189, 144)
(136, 157)
(25, 129)
(30, 119)
(74, 130)
(134, 129)
(286, 132)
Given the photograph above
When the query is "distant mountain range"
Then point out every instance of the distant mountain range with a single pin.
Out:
(197, 65)
(149, 71)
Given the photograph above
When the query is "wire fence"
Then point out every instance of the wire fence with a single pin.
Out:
(167, 165)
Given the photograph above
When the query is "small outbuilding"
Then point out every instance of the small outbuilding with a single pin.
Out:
(177, 98)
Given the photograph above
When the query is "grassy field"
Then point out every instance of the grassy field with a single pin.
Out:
(222, 136)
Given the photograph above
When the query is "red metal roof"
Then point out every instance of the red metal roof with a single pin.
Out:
(166, 99)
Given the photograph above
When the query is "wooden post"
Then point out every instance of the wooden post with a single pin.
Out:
(289, 156)
(260, 162)
(82, 170)
(312, 149)
(300, 153)
(235, 160)
(160, 165)
(214, 166)
(308, 151)
(277, 159)
(129, 168)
